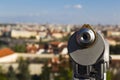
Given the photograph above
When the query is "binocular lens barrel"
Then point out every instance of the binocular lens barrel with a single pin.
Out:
(85, 36)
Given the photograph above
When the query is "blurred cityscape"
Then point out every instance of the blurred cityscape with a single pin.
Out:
(39, 51)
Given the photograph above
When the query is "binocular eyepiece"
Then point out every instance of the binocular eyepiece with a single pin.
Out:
(85, 37)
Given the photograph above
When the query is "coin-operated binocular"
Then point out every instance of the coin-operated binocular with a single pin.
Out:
(89, 53)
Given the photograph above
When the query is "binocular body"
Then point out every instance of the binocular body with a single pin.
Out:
(89, 53)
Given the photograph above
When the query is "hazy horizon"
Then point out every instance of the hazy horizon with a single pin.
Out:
(60, 11)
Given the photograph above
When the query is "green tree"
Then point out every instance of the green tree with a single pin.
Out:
(115, 49)
(46, 70)
(11, 74)
(109, 75)
(23, 69)
(64, 71)
(64, 74)
(2, 75)
(32, 37)
(19, 48)
(65, 38)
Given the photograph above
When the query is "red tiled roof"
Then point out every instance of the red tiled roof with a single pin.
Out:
(5, 52)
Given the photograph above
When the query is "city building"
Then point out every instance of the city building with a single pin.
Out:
(9, 58)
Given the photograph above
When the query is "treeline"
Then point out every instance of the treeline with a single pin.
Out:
(22, 72)
(115, 49)
(58, 70)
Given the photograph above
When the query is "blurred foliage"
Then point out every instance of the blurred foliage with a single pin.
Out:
(115, 49)
(57, 71)
(45, 72)
(65, 38)
(64, 74)
(11, 75)
(32, 37)
(23, 69)
(19, 48)
(109, 75)
(2, 75)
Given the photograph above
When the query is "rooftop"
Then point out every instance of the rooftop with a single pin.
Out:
(5, 52)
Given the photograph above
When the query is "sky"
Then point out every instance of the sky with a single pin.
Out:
(60, 11)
